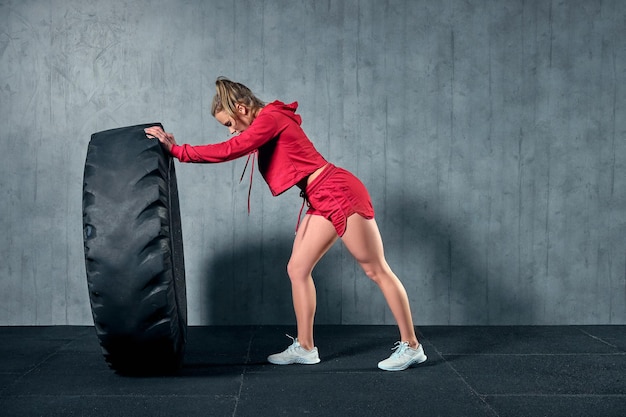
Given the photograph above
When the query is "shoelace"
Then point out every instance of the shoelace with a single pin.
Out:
(294, 343)
(400, 348)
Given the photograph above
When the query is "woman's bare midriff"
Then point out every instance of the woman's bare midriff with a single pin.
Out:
(306, 181)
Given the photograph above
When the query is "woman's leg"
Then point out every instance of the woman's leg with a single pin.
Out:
(362, 238)
(314, 237)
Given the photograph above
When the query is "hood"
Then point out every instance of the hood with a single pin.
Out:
(288, 110)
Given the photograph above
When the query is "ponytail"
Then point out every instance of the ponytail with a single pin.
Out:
(229, 93)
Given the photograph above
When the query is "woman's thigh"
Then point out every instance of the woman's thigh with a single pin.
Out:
(362, 239)
(313, 239)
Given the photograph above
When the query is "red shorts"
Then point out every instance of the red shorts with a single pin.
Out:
(336, 194)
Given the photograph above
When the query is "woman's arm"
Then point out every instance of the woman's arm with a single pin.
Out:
(261, 131)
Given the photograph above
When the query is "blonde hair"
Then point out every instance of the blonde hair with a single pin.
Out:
(229, 93)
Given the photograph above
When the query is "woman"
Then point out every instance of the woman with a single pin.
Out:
(339, 206)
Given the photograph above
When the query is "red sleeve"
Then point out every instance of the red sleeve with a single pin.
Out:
(262, 130)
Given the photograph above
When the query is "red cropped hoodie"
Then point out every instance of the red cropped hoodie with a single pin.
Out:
(286, 155)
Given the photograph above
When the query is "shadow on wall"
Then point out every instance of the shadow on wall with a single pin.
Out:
(247, 284)
(457, 286)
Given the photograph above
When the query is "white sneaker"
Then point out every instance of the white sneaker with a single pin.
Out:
(403, 357)
(295, 354)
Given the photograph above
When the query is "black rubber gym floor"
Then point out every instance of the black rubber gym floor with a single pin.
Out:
(471, 371)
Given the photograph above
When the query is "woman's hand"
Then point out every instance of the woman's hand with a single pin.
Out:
(166, 139)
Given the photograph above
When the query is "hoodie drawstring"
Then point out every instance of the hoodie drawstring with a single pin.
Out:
(304, 201)
(253, 156)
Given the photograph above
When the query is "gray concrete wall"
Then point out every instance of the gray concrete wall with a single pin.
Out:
(491, 135)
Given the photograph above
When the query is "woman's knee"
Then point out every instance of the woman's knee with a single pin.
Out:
(297, 271)
(379, 273)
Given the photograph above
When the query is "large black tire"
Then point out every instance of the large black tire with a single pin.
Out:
(134, 251)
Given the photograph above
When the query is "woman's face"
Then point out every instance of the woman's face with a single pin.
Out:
(237, 124)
